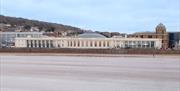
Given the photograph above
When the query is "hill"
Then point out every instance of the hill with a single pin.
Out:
(43, 26)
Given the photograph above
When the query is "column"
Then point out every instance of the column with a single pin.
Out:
(98, 43)
(105, 43)
(41, 44)
(33, 43)
(45, 43)
(72, 43)
(49, 43)
(93, 44)
(37, 44)
(29, 43)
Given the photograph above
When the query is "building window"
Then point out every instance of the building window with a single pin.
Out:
(152, 44)
(149, 36)
(139, 44)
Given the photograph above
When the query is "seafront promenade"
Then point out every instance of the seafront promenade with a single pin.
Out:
(88, 72)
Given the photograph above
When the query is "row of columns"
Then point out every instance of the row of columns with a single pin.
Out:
(39, 43)
(88, 43)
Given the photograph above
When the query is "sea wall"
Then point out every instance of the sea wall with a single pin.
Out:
(90, 51)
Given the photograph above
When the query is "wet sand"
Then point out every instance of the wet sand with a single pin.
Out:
(89, 72)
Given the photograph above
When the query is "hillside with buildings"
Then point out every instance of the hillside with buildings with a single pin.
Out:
(21, 24)
(25, 33)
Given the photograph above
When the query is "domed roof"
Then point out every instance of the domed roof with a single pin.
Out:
(91, 35)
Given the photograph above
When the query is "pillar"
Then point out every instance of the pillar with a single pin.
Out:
(29, 43)
(98, 43)
(37, 45)
(45, 43)
(93, 44)
(72, 43)
(33, 43)
(105, 43)
(41, 44)
(49, 43)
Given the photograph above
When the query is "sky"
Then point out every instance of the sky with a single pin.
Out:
(125, 16)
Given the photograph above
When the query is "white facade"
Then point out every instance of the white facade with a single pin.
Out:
(88, 43)
(7, 39)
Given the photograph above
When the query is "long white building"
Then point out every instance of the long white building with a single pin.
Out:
(88, 41)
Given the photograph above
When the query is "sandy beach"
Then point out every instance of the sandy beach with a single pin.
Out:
(89, 72)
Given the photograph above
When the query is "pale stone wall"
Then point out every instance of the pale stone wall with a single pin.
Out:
(20, 43)
(88, 43)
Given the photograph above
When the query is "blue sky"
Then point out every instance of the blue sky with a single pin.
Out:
(99, 15)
